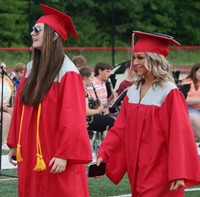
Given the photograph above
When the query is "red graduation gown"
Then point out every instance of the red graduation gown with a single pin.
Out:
(152, 140)
(63, 134)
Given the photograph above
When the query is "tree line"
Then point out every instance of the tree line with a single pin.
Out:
(102, 22)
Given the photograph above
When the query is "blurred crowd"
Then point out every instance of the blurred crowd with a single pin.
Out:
(99, 89)
(9, 82)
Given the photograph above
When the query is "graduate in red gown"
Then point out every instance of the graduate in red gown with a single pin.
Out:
(152, 139)
(48, 131)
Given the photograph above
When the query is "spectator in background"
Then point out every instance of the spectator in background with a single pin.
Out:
(96, 120)
(19, 73)
(48, 131)
(79, 61)
(193, 98)
(98, 89)
(6, 109)
(131, 75)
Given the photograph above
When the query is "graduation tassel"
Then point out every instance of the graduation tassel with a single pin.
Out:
(40, 164)
(132, 48)
(18, 153)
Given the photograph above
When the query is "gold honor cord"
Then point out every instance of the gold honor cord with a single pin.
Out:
(40, 164)
(18, 154)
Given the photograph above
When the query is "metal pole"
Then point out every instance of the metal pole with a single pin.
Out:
(1, 126)
(29, 26)
(113, 33)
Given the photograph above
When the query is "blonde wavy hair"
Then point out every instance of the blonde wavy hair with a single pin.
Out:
(159, 67)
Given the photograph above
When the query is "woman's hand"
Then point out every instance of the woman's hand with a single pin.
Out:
(7, 109)
(99, 161)
(176, 184)
(58, 165)
(10, 156)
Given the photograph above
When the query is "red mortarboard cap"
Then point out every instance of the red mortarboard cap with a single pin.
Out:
(60, 22)
(155, 43)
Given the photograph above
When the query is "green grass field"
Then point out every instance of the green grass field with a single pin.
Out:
(98, 187)
(176, 57)
(101, 187)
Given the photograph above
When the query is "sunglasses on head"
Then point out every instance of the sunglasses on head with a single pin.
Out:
(36, 29)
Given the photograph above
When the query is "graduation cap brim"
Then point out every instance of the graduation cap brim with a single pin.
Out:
(70, 28)
(154, 43)
(160, 36)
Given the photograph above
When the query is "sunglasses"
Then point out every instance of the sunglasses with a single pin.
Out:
(36, 29)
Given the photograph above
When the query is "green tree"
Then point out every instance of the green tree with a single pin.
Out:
(187, 20)
(97, 21)
(13, 17)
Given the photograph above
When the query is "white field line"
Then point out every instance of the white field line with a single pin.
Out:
(192, 189)
(126, 195)
(186, 190)
(8, 179)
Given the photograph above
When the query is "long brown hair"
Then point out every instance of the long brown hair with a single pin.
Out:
(192, 74)
(45, 66)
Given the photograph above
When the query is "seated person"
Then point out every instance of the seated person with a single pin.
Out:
(7, 110)
(95, 119)
(131, 75)
(98, 89)
(19, 73)
(193, 98)
(79, 61)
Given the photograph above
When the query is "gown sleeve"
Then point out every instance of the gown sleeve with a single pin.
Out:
(16, 115)
(112, 147)
(75, 145)
(183, 161)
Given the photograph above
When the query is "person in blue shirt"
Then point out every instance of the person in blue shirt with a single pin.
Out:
(19, 73)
